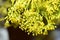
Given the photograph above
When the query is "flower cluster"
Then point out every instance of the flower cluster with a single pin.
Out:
(33, 16)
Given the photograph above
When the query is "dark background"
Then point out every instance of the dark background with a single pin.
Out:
(18, 34)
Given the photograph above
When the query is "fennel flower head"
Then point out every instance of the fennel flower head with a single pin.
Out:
(33, 16)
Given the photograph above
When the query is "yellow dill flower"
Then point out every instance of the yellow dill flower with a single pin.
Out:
(33, 16)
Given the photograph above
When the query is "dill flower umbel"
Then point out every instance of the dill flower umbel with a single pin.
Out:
(33, 16)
